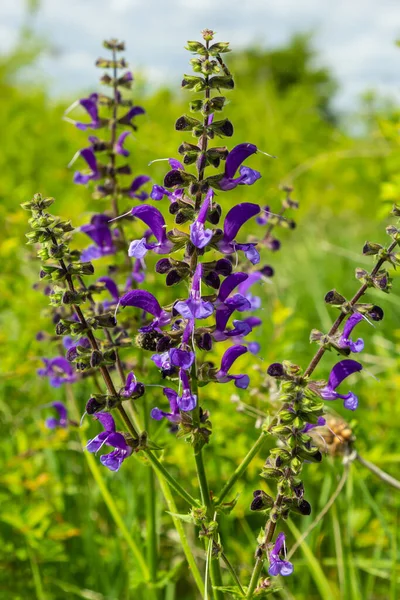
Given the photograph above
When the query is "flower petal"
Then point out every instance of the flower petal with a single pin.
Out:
(153, 219)
(341, 371)
(230, 283)
(142, 299)
(237, 156)
(230, 356)
(237, 217)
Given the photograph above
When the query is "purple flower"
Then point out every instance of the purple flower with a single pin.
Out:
(345, 341)
(264, 217)
(309, 426)
(172, 416)
(255, 301)
(200, 236)
(112, 288)
(234, 220)
(72, 349)
(228, 358)
(153, 218)
(138, 273)
(277, 566)
(195, 307)
(147, 302)
(182, 357)
(99, 231)
(119, 144)
(109, 437)
(187, 401)
(62, 421)
(233, 161)
(58, 370)
(227, 304)
(90, 104)
(129, 116)
(132, 386)
(82, 178)
(339, 373)
(135, 186)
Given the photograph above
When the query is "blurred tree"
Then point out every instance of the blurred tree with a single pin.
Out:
(293, 65)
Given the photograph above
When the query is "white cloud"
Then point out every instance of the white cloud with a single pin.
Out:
(355, 38)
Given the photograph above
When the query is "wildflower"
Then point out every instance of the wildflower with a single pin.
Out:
(309, 426)
(199, 236)
(110, 437)
(195, 307)
(345, 341)
(62, 421)
(133, 388)
(153, 218)
(233, 161)
(277, 566)
(99, 231)
(341, 371)
(234, 220)
(172, 416)
(90, 104)
(94, 171)
(58, 370)
(228, 358)
(147, 302)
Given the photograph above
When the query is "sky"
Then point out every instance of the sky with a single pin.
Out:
(356, 38)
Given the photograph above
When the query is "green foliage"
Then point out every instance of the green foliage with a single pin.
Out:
(58, 535)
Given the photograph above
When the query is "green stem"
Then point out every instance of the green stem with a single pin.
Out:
(254, 450)
(151, 498)
(182, 535)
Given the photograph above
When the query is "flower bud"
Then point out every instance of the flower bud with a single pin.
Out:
(173, 278)
(223, 267)
(261, 501)
(163, 266)
(276, 370)
(333, 297)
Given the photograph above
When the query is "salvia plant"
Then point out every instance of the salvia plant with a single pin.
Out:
(205, 264)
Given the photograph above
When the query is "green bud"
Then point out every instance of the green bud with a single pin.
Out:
(186, 123)
(219, 48)
(196, 47)
(334, 298)
(223, 128)
(370, 248)
(193, 82)
(221, 82)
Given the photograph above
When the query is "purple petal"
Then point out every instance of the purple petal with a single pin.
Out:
(237, 156)
(106, 420)
(202, 216)
(341, 371)
(62, 411)
(248, 176)
(138, 249)
(172, 397)
(111, 286)
(181, 358)
(158, 192)
(250, 252)
(237, 217)
(176, 164)
(97, 442)
(153, 219)
(230, 356)
(90, 105)
(230, 283)
(119, 145)
(199, 236)
(142, 299)
(138, 182)
(250, 280)
(194, 309)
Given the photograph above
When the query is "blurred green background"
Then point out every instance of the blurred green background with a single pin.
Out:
(58, 538)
